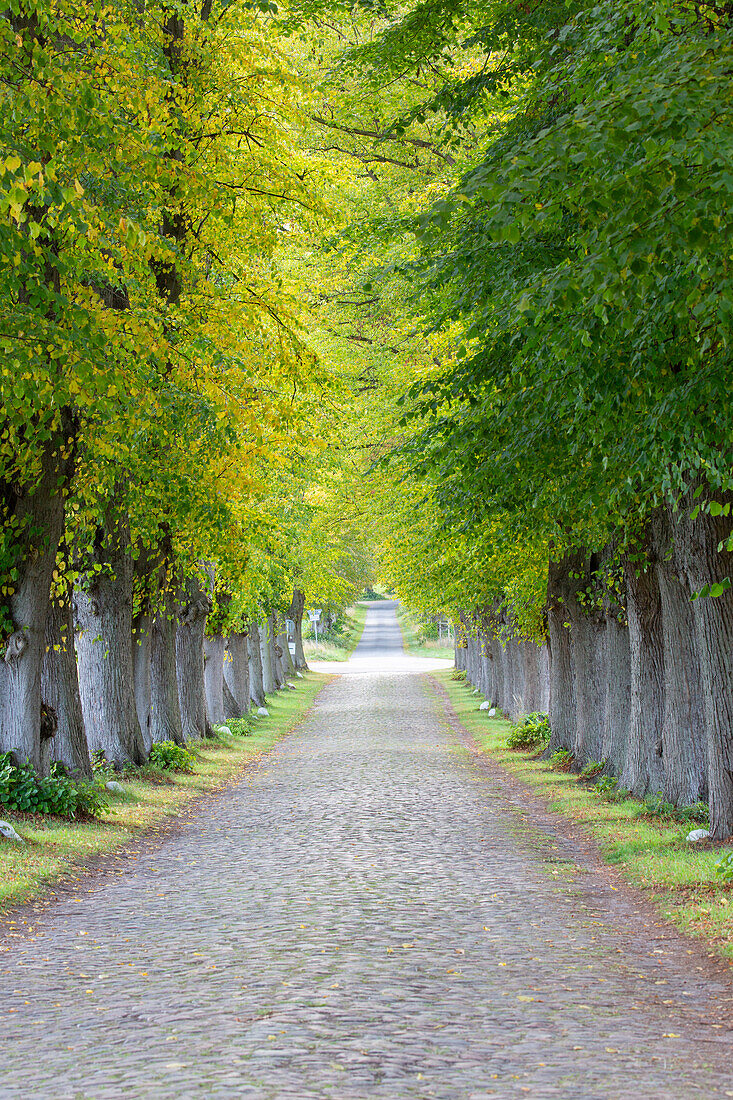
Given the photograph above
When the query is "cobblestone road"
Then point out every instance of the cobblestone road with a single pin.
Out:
(360, 918)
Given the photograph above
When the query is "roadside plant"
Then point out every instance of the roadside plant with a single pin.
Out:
(59, 793)
(591, 770)
(168, 756)
(655, 806)
(532, 731)
(241, 727)
(562, 760)
(724, 867)
(607, 787)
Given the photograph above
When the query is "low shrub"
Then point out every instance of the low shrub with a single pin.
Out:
(609, 789)
(170, 757)
(59, 793)
(591, 770)
(242, 727)
(562, 760)
(531, 732)
(724, 867)
(655, 806)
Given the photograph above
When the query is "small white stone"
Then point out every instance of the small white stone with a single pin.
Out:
(299, 675)
(492, 712)
(697, 834)
(475, 691)
(292, 687)
(113, 785)
(223, 729)
(9, 832)
(264, 712)
(254, 714)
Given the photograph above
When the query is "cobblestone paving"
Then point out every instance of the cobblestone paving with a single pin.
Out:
(358, 919)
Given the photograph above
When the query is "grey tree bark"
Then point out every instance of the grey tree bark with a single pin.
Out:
(487, 670)
(297, 608)
(562, 710)
(704, 564)
(38, 510)
(256, 680)
(513, 663)
(232, 709)
(498, 672)
(103, 606)
(236, 670)
(684, 735)
(60, 691)
(507, 677)
(644, 770)
(141, 626)
(214, 678)
(529, 655)
(269, 680)
(544, 674)
(165, 710)
(587, 637)
(617, 707)
(286, 661)
(195, 605)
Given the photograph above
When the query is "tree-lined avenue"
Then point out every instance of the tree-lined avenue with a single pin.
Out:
(363, 916)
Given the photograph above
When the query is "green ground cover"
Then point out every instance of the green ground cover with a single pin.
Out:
(56, 848)
(652, 853)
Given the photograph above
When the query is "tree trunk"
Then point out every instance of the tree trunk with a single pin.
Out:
(165, 711)
(507, 677)
(39, 511)
(644, 770)
(141, 627)
(232, 709)
(487, 671)
(529, 653)
(286, 661)
(471, 655)
(544, 674)
(562, 710)
(104, 647)
(296, 614)
(495, 654)
(195, 607)
(587, 637)
(617, 707)
(269, 681)
(254, 650)
(214, 678)
(516, 677)
(60, 691)
(704, 565)
(683, 728)
(236, 671)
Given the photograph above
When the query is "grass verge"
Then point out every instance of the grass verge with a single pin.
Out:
(341, 646)
(652, 855)
(57, 848)
(415, 641)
